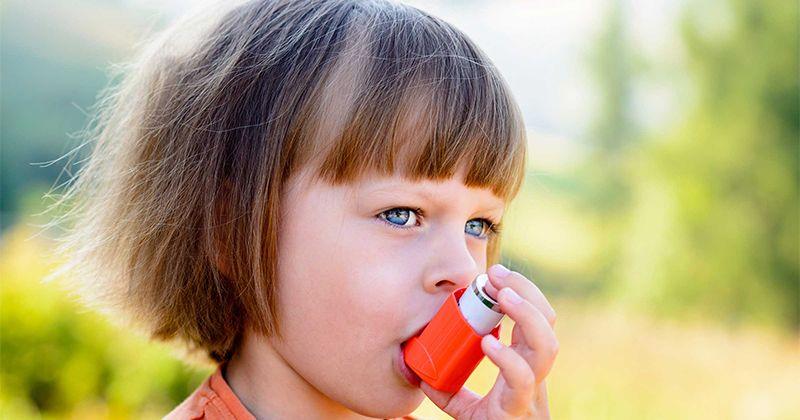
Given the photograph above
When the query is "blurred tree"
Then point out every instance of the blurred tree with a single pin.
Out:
(605, 175)
(714, 225)
(49, 82)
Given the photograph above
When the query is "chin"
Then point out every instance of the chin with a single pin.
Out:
(401, 404)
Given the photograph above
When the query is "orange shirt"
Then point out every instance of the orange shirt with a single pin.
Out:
(214, 400)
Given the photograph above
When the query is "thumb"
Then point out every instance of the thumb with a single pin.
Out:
(456, 405)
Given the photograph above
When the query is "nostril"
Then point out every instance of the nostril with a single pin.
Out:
(440, 283)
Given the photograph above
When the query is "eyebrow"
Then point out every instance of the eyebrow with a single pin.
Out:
(395, 188)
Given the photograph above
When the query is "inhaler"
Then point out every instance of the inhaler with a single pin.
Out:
(448, 349)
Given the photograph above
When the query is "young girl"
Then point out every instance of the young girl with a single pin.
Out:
(294, 190)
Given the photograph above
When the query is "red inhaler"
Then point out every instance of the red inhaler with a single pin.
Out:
(449, 348)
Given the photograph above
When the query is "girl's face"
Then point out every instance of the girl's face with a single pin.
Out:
(362, 270)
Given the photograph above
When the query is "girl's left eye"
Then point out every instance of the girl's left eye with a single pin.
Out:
(480, 227)
(406, 217)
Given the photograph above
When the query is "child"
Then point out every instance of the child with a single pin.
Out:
(294, 191)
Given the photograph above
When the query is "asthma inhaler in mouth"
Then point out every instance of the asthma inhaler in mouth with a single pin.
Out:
(449, 347)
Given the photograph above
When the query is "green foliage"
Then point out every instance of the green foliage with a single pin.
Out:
(58, 358)
(712, 227)
(733, 172)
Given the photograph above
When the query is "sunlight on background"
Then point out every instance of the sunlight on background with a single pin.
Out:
(659, 212)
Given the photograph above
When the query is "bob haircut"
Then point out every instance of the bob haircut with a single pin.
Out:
(193, 145)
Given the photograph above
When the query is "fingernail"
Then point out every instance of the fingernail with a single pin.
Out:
(498, 270)
(494, 343)
(491, 290)
(511, 295)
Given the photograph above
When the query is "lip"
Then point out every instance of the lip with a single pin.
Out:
(400, 365)
(403, 370)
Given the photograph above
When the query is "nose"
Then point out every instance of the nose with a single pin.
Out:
(452, 264)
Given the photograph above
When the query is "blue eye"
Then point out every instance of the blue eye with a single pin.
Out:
(481, 228)
(400, 216)
(406, 218)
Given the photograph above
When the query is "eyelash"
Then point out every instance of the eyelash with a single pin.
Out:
(493, 228)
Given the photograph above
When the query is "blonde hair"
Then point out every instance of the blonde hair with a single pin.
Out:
(192, 149)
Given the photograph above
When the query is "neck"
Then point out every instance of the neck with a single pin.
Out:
(270, 388)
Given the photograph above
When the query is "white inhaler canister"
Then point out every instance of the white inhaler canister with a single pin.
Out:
(480, 311)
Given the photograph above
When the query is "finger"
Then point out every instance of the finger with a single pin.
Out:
(537, 333)
(501, 277)
(516, 396)
(491, 290)
(455, 405)
(541, 406)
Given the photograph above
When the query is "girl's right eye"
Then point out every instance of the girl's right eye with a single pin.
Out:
(399, 217)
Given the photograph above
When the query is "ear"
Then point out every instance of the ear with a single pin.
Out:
(221, 230)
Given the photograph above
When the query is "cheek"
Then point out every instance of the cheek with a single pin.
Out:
(382, 276)
(479, 251)
(343, 313)
(343, 296)
(350, 279)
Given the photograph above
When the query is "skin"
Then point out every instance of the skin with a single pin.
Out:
(353, 288)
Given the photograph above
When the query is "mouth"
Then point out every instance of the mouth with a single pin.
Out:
(410, 377)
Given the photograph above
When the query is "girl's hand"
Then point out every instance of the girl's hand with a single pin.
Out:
(520, 390)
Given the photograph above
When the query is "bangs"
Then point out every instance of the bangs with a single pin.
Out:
(421, 101)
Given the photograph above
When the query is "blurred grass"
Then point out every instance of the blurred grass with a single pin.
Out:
(61, 361)
(617, 365)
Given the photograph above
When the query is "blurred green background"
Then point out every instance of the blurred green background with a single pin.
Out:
(664, 232)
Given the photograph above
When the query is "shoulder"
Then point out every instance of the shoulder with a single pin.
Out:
(194, 406)
(212, 400)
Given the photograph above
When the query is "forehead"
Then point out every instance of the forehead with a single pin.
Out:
(441, 192)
